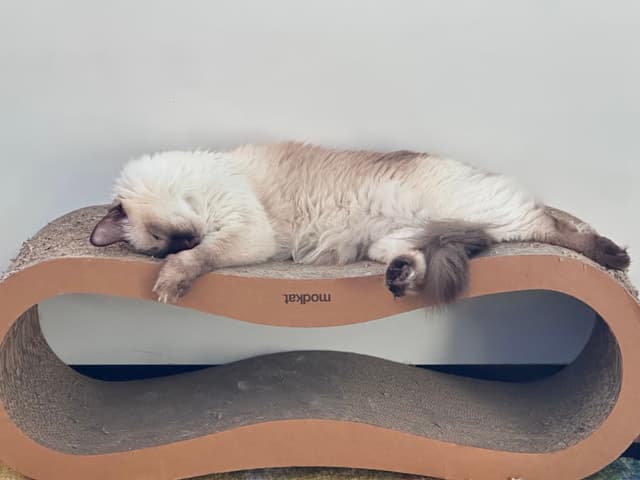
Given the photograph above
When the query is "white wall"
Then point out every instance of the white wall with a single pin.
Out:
(483, 330)
(544, 90)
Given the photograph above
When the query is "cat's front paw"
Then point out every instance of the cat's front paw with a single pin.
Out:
(405, 274)
(174, 280)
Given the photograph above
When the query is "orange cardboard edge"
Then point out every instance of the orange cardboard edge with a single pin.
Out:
(314, 442)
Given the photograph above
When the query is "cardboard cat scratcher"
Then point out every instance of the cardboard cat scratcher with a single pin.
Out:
(309, 408)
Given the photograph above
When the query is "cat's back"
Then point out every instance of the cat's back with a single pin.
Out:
(312, 167)
(307, 184)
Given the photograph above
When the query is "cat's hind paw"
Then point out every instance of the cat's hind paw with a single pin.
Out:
(405, 274)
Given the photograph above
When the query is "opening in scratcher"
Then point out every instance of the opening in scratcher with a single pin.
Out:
(65, 411)
(529, 330)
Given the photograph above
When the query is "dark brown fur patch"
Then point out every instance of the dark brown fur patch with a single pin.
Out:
(397, 156)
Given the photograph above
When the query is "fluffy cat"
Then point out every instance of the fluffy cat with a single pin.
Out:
(421, 215)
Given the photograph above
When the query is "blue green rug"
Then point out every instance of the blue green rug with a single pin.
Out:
(622, 469)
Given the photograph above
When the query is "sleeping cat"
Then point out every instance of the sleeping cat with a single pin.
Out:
(421, 215)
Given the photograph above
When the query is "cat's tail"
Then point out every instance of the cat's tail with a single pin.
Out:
(447, 248)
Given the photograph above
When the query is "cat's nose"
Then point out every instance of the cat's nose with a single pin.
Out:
(182, 241)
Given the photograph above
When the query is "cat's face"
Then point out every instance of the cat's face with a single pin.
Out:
(149, 227)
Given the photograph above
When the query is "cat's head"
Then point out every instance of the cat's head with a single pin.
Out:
(150, 212)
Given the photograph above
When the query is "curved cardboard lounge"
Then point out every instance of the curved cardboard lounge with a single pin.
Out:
(309, 408)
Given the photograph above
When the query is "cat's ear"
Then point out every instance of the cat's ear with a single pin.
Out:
(110, 229)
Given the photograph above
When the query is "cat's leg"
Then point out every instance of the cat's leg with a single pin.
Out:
(510, 213)
(541, 226)
(224, 248)
(406, 266)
